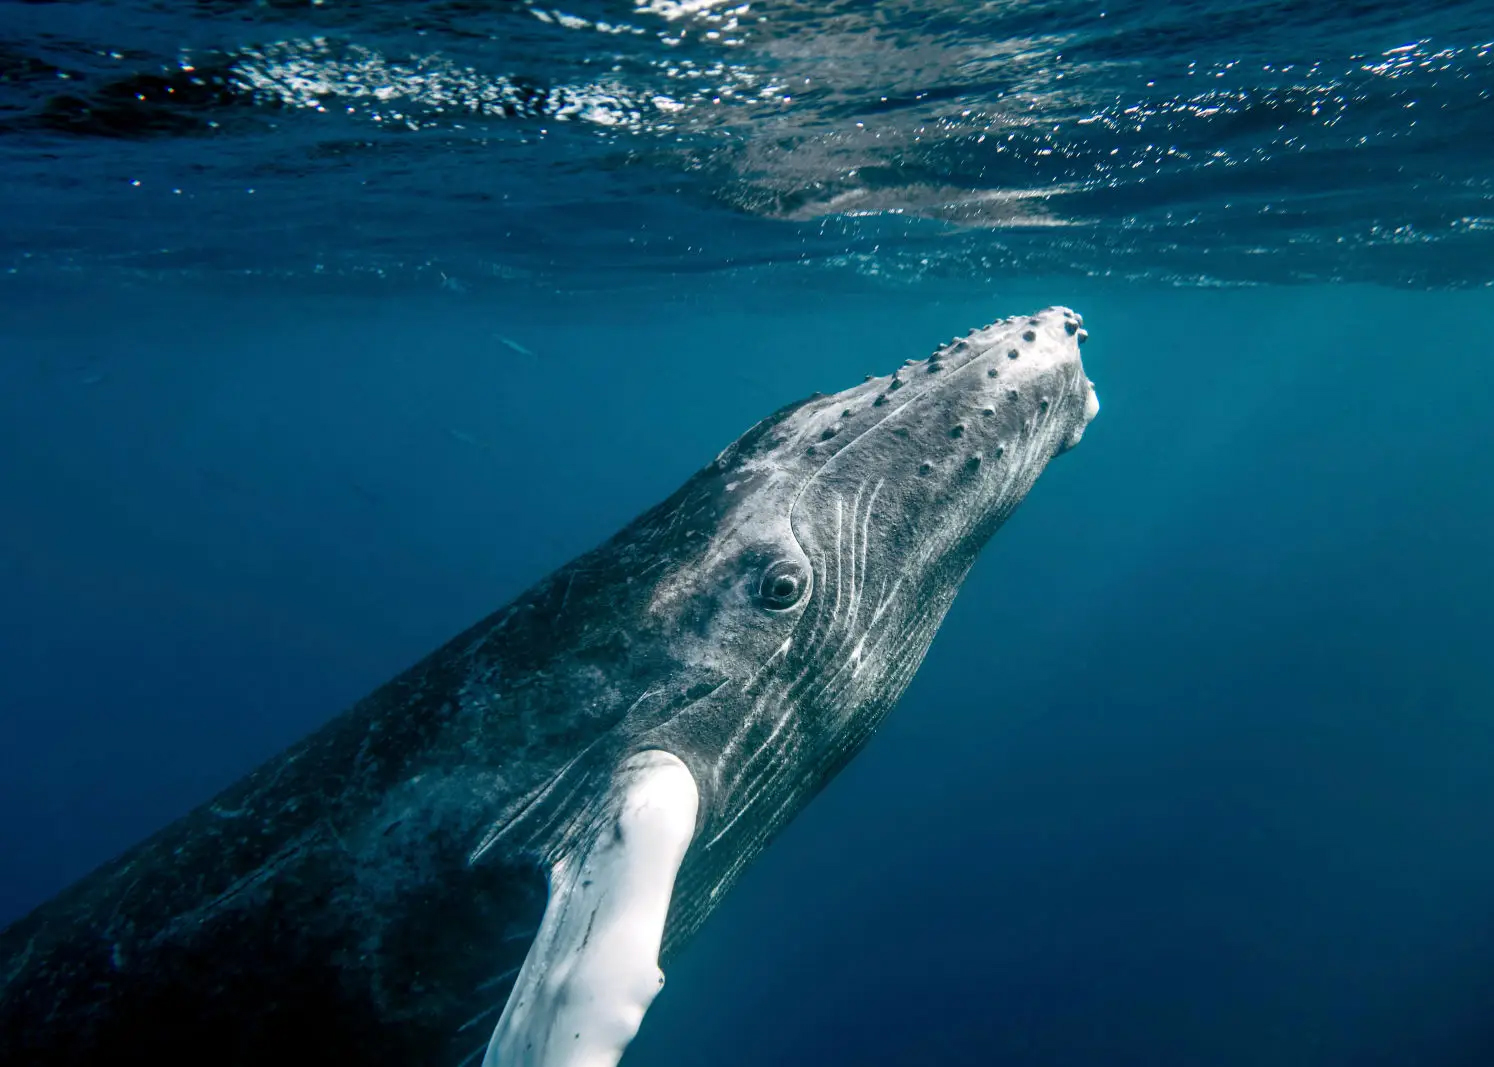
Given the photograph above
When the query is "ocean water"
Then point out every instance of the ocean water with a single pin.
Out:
(327, 328)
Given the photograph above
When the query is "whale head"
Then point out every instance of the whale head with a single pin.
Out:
(757, 625)
(827, 543)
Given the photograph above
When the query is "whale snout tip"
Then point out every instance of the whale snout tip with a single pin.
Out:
(1091, 409)
(1074, 331)
(1073, 327)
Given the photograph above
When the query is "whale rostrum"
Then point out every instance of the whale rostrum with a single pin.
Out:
(485, 860)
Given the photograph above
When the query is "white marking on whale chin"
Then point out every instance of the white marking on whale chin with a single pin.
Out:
(593, 969)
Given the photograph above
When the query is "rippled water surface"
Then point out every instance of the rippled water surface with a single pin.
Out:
(1199, 142)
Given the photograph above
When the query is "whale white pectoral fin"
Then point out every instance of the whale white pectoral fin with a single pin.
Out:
(593, 969)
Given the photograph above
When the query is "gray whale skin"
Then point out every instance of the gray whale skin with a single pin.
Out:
(374, 894)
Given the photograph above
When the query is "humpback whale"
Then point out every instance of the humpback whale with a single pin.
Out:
(485, 860)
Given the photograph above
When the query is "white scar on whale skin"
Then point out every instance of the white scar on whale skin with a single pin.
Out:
(593, 969)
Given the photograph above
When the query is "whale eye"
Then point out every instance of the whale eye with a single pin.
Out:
(782, 585)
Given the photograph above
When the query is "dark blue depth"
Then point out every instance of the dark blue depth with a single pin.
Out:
(1197, 772)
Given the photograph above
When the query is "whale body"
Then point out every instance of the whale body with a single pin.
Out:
(484, 860)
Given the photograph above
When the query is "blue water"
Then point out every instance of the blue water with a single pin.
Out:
(1200, 769)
